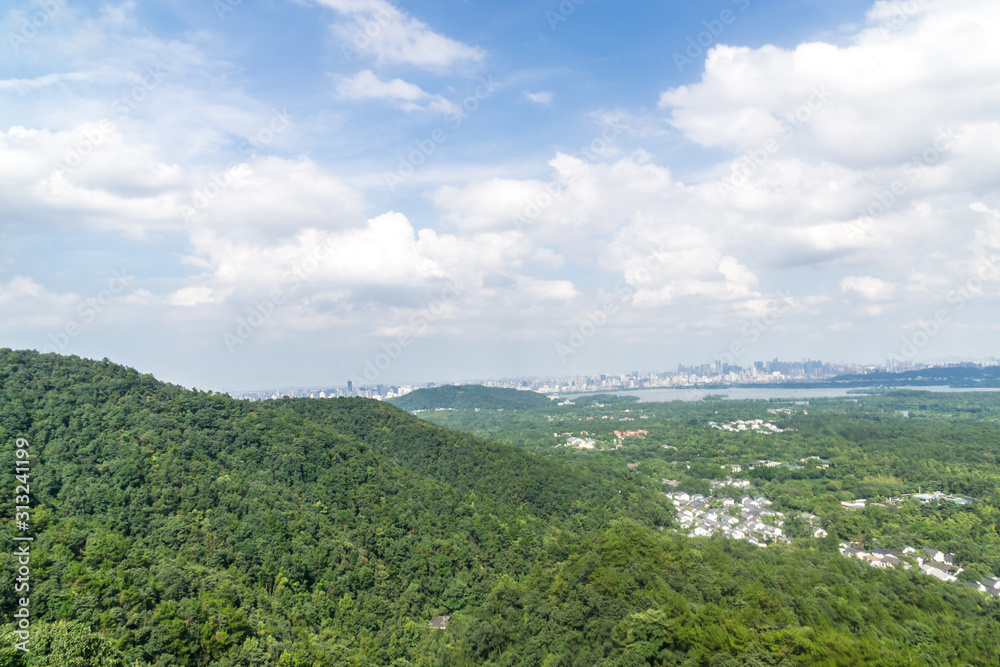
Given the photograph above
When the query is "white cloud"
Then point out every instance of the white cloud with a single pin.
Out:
(876, 101)
(112, 185)
(394, 37)
(547, 290)
(668, 241)
(22, 86)
(29, 305)
(989, 235)
(486, 204)
(385, 251)
(542, 97)
(870, 288)
(273, 197)
(107, 183)
(263, 224)
(366, 85)
(193, 296)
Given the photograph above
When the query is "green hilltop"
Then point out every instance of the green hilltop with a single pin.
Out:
(184, 528)
(469, 397)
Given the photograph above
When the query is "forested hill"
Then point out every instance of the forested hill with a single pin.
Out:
(189, 528)
(468, 397)
(952, 376)
(175, 527)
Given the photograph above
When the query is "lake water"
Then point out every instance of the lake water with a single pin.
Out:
(752, 393)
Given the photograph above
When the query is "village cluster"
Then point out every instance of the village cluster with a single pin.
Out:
(591, 443)
(748, 425)
(930, 561)
(766, 463)
(749, 519)
(861, 503)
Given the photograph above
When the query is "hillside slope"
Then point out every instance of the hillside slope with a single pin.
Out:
(190, 524)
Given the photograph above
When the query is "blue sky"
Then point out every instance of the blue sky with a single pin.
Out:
(237, 195)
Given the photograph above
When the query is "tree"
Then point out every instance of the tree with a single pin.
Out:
(60, 644)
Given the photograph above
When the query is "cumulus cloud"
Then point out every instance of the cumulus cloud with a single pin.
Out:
(858, 161)
(92, 176)
(394, 37)
(28, 300)
(269, 197)
(989, 234)
(88, 176)
(366, 85)
(192, 296)
(875, 101)
(870, 288)
(264, 224)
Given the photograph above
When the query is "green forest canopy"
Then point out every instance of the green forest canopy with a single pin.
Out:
(177, 527)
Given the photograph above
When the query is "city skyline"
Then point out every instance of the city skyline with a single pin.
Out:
(230, 194)
(699, 375)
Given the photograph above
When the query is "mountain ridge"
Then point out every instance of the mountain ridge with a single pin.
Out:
(469, 397)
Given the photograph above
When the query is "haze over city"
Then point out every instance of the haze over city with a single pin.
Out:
(246, 195)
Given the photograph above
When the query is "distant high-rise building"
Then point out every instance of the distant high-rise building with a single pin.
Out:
(350, 387)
